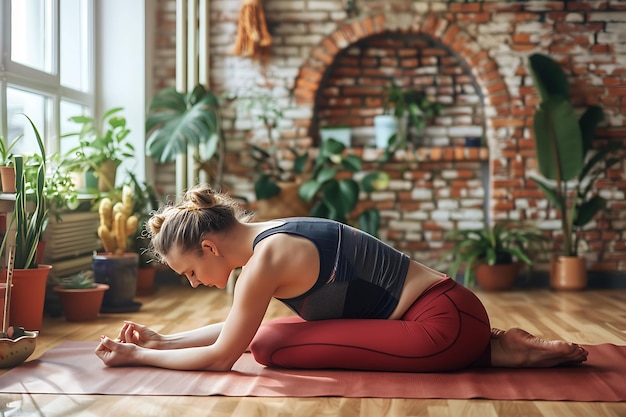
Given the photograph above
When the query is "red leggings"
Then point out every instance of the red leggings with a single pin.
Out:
(447, 328)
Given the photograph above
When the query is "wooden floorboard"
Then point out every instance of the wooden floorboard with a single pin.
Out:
(592, 316)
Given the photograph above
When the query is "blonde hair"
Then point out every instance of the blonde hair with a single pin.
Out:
(185, 224)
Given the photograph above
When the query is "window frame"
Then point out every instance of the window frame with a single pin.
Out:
(46, 84)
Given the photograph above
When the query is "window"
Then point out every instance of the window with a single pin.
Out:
(47, 68)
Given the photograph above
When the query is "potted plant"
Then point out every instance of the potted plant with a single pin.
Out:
(102, 147)
(341, 134)
(29, 218)
(177, 121)
(492, 256)
(278, 180)
(401, 106)
(81, 297)
(569, 165)
(7, 171)
(60, 189)
(335, 195)
(117, 266)
(145, 201)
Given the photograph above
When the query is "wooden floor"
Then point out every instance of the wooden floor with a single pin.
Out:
(584, 317)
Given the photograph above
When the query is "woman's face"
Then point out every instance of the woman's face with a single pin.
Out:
(209, 268)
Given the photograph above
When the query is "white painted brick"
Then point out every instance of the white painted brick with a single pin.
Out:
(324, 5)
(448, 204)
(400, 185)
(472, 202)
(382, 196)
(612, 194)
(405, 226)
(607, 17)
(470, 225)
(390, 214)
(467, 214)
(464, 131)
(440, 215)
(421, 194)
(415, 215)
(549, 224)
(414, 237)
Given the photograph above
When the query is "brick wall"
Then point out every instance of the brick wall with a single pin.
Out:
(326, 67)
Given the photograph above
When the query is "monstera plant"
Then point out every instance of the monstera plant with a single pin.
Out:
(177, 121)
(568, 161)
(334, 194)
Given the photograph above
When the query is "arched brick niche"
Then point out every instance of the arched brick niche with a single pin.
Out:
(441, 185)
(427, 29)
(353, 88)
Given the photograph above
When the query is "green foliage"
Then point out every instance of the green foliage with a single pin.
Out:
(415, 103)
(82, 280)
(265, 108)
(30, 213)
(60, 190)
(500, 244)
(336, 197)
(6, 157)
(565, 152)
(99, 141)
(177, 121)
(145, 201)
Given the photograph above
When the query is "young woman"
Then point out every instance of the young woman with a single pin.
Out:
(361, 304)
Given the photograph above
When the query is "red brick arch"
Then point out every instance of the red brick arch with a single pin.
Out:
(497, 101)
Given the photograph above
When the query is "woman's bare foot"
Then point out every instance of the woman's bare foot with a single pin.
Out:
(516, 348)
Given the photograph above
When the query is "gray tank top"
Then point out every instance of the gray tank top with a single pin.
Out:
(360, 276)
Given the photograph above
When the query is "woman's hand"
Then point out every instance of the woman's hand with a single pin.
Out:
(114, 353)
(140, 335)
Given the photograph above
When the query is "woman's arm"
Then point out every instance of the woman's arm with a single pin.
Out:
(254, 291)
(143, 336)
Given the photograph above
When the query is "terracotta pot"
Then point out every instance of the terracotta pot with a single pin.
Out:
(27, 296)
(81, 304)
(120, 273)
(497, 277)
(145, 280)
(286, 204)
(568, 273)
(7, 174)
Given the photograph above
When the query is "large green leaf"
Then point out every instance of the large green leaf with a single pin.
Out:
(548, 77)
(308, 189)
(341, 196)
(588, 210)
(265, 187)
(176, 121)
(588, 123)
(558, 140)
(375, 181)
(369, 221)
(352, 163)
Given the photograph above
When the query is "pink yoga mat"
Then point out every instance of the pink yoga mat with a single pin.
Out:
(73, 368)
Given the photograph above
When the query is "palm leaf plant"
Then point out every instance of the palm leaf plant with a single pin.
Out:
(568, 162)
(178, 121)
(503, 243)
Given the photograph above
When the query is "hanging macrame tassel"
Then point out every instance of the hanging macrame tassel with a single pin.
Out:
(252, 34)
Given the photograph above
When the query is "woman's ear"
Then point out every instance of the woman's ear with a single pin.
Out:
(211, 247)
